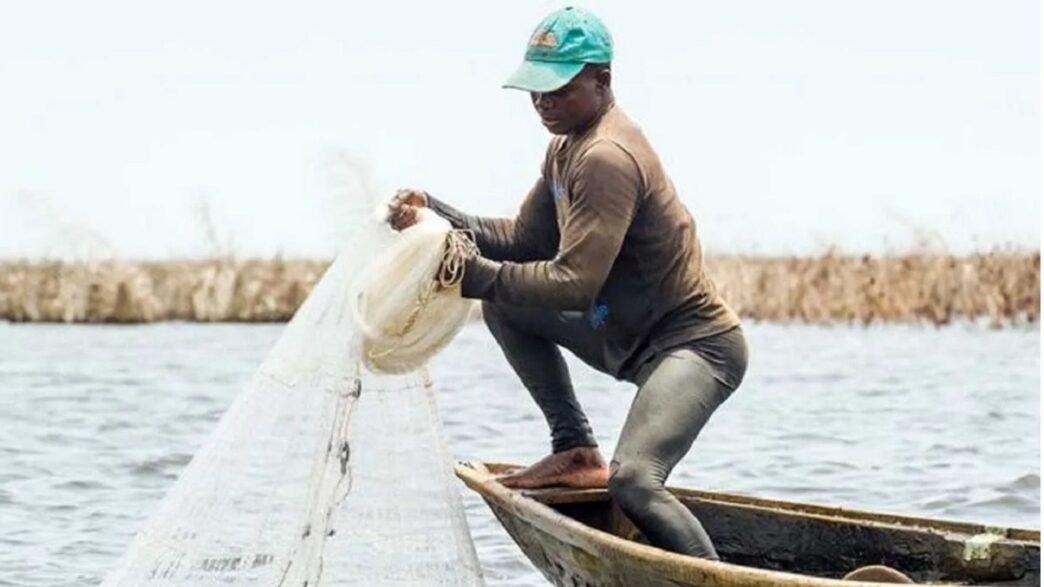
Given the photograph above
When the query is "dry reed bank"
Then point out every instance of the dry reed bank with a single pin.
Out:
(209, 290)
(1001, 287)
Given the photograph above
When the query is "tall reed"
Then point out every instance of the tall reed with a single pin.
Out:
(115, 291)
(1002, 287)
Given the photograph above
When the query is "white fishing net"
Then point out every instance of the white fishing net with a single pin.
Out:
(321, 473)
(407, 303)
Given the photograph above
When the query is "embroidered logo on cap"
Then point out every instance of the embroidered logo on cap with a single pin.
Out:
(544, 39)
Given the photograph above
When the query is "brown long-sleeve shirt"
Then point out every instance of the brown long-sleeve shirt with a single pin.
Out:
(602, 232)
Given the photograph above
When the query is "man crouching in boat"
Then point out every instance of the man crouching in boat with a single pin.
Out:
(602, 259)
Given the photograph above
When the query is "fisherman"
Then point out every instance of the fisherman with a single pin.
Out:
(603, 259)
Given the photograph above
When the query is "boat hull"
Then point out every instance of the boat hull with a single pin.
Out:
(578, 538)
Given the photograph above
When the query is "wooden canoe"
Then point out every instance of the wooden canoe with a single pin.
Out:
(578, 538)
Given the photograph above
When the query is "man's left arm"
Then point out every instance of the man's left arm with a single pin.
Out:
(604, 194)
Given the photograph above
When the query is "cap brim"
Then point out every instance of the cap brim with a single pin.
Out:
(543, 76)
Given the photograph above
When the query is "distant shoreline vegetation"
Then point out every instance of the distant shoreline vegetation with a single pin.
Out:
(1002, 288)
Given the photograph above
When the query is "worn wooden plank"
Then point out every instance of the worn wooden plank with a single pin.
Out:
(578, 538)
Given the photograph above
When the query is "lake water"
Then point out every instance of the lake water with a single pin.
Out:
(97, 422)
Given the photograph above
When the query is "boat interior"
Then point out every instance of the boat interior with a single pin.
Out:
(830, 542)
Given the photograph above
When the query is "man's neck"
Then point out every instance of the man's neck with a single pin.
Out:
(577, 134)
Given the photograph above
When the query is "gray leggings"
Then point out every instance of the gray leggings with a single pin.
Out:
(678, 391)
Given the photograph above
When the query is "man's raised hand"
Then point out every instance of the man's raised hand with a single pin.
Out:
(402, 210)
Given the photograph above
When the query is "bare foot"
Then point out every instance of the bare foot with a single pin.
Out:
(581, 468)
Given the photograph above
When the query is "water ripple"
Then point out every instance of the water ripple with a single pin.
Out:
(938, 422)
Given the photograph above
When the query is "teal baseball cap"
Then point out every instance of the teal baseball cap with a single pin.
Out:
(561, 45)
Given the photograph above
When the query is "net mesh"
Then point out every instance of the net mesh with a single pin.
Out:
(407, 303)
(320, 473)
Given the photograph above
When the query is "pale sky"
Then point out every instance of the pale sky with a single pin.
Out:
(787, 126)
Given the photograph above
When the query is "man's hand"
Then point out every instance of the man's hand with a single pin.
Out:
(402, 210)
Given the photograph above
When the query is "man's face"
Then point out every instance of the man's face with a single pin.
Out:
(575, 105)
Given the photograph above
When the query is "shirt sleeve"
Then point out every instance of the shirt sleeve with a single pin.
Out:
(604, 191)
(531, 235)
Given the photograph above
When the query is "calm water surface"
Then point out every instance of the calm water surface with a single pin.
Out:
(97, 422)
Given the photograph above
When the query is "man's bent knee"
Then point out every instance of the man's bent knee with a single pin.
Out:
(500, 315)
(632, 486)
(491, 312)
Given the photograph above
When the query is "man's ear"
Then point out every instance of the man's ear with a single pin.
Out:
(604, 77)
